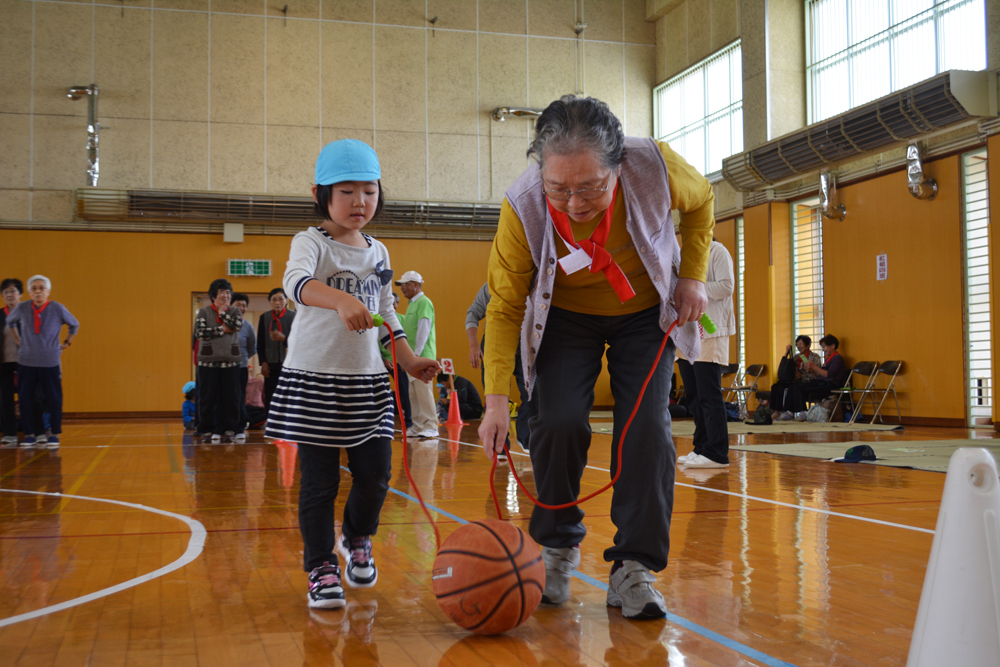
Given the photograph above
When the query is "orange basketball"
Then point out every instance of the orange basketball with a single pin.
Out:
(488, 576)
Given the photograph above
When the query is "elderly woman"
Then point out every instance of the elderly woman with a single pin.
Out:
(37, 326)
(217, 327)
(585, 258)
(780, 390)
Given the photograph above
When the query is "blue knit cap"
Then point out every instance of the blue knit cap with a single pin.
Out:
(347, 160)
(188, 386)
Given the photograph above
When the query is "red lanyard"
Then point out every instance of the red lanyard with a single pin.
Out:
(601, 259)
(38, 316)
(276, 319)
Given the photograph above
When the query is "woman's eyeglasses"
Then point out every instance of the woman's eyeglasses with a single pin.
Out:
(588, 193)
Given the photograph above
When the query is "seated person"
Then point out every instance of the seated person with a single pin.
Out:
(188, 409)
(470, 405)
(829, 376)
(779, 390)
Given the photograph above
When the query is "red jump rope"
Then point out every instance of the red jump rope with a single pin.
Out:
(706, 324)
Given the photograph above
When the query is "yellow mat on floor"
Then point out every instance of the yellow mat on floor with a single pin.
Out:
(685, 427)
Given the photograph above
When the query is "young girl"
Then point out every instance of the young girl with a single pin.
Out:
(334, 391)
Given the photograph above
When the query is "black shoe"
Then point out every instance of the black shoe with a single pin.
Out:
(325, 590)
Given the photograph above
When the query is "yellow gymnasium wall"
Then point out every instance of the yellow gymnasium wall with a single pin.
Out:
(916, 314)
(132, 295)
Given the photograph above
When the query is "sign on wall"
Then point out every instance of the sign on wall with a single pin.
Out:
(881, 267)
(249, 267)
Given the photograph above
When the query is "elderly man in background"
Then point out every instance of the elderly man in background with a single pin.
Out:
(473, 316)
(419, 327)
(248, 347)
(273, 330)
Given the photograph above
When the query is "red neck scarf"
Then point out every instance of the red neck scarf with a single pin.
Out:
(38, 316)
(601, 259)
(828, 359)
(276, 319)
(6, 310)
(218, 317)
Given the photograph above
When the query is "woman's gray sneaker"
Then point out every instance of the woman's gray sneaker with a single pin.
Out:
(559, 565)
(631, 588)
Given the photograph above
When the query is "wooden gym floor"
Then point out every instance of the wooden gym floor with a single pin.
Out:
(777, 560)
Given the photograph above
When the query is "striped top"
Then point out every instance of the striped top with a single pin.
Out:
(334, 390)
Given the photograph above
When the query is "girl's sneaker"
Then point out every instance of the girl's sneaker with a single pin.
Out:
(325, 591)
(357, 553)
(29, 441)
(53, 442)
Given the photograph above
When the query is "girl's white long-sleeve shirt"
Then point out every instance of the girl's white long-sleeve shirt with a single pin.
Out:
(320, 342)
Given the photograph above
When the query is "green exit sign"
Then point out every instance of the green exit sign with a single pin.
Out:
(249, 267)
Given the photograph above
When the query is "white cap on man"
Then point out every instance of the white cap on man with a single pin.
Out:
(411, 277)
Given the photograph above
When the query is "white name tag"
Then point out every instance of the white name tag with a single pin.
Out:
(576, 260)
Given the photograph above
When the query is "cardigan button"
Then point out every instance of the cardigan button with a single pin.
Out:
(551, 261)
(642, 249)
(538, 326)
(549, 271)
(538, 335)
(544, 306)
(546, 295)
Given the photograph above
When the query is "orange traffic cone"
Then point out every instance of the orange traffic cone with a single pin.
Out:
(287, 452)
(454, 415)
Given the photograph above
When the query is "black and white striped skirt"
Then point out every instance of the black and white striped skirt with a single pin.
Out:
(330, 410)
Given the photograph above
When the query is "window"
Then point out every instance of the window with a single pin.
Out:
(978, 329)
(700, 111)
(740, 264)
(860, 50)
(807, 271)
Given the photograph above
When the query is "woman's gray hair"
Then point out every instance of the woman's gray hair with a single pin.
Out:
(48, 283)
(573, 124)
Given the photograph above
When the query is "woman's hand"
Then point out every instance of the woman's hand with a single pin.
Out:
(690, 300)
(265, 370)
(788, 350)
(495, 425)
(278, 336)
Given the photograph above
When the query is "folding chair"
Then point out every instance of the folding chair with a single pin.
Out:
(734, 370)
(748, 386)
(865, 372)
(891, 370)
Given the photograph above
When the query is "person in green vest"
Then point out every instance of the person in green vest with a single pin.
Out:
(404, 385)
(419, 328)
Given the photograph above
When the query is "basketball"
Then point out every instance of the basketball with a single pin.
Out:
(488, 576)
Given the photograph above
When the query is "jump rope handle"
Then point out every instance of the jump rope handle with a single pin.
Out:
(706, 323)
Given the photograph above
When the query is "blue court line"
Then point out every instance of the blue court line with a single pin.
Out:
(743, 649)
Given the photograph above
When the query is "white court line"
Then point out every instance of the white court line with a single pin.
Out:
(690, 486)
(195, 546)
(756, 498)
